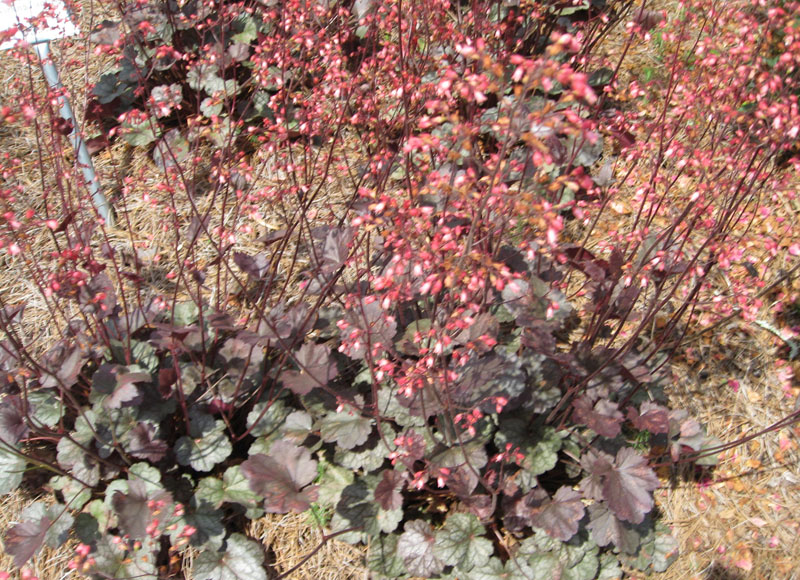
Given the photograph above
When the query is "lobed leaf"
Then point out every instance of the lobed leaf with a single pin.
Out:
(415, 549)
(604, 417)
(460, 543)
(347, 429)
(241, 559)
(283, 477)
(559, 516)
(133, 511)
(316, 369)
(388, 492)
(12, 468)
(626, 483)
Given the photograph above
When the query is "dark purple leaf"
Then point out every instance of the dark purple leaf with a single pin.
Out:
(9, 313)
(684, 432)
(107, 32)
(315, 369)
(272, 237)
(24, 539)
(606, 529)
(604, 418)
(241, 356)
(480, 505)
(196, 226)
(144, 445)
(586, 262)
(626, 484)
(375, 327)
(484, 325)
(12, 420)
(256, 267)
(282, 476)
(423, 402)
(98, 296)
(281, 323)
(558, 517)
(166, 378)
(415, 548)
(650, 417)
(596, 465)
(221, 321)
(236, 349)
(388, 491)
(615, 262)
(65, 363)
(462, 482)
(133, 510)
(335, 249)
(648, 19)
(118, 384)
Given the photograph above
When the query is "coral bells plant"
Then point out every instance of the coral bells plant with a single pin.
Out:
(420, 349)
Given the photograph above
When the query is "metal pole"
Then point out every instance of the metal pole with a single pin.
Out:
(81, 152)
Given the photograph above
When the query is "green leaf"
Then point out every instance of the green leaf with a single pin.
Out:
(585, 568)
(367, 457)
(47, 409)
(86, 528)
(297, 427)
(248, 30)
(389, 405)
(347, 428)
(355, 507)
(207, 446)
(171, 150)
(450, 457)
(211, 490)
(109, 88)
(406, 345)
(539, 446)
(73, 458)
(544, 566)
(76, 495)
(460, 543)
(609, 568)
(665, 550)
(58, 531)
(100, 511)
(241, 559)
(267, 417)
(382, 557)
(237, 489)
(185, 313)
(496, 570)
(210, 107)
(116, 561)
(331, 483)
(601, 77)
(12, 468)
(208, 522)
(140, 133)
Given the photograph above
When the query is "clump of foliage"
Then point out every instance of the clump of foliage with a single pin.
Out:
(433, 368)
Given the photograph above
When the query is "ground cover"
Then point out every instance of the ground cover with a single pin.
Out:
(734, 520)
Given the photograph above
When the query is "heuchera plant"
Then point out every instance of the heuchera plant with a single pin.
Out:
(437, 370)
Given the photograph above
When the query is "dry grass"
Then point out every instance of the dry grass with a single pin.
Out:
(740, 523)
